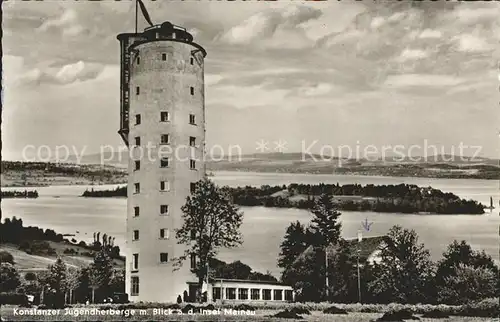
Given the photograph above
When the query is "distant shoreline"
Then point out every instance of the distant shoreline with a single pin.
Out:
(41, 181)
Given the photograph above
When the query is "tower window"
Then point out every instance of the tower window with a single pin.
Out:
(165, 139)
(138, 60)
(191, 90)
(163, 257)
(136, 211)
(193, 260)
(136, 235)
(192, 164)
(137, 165)
(192, 187)
(164, 233)
(137, 119)
(164, 116)
(135, 262)
(164, 57)
(137, 188)
(164, 209)
(192, 119)
(192, 141)
(164, 186)
(137, 140)
(191, 60)
(137, 90)
(164, 162)
(135, 285)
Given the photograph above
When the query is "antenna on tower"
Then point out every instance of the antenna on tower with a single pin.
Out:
(139, 3)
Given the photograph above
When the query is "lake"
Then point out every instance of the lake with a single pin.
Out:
(263, 228)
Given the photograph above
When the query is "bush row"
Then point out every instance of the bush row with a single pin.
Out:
(485, 308)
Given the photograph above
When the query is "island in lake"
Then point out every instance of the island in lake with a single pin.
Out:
(19, 194)
(402, 198)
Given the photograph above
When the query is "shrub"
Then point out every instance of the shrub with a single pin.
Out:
(484, 308)
(286, 314)
(13, 298)
(399, 315)
(299, 310)
(6, 257)
(334, 310)
(244, 307)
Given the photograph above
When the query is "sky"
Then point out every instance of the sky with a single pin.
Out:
(306, 74)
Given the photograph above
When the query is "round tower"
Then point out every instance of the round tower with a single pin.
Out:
(163, 123)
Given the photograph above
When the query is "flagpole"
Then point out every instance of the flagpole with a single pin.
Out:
(136, 8)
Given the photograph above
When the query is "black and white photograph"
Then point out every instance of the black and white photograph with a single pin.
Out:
(250, 160)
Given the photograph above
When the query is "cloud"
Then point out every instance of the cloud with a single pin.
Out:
(411, 54)
(425, 80)
(272, 28)
(430, 33)
(67, 23)
(316, 90)
(65, 74)
(472, 43)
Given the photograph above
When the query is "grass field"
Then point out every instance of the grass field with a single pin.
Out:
(8, 314)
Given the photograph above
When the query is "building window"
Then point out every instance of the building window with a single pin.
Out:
(288, 295)
(255, 294)
(138, 60)
(135, 285)
(165, 139)
(243, 294)
(192, 187)
(192, 164)
(192, 119)
(137, 188)
(164, 209)
(191, 60)
(216, 293)
(193, 260)
(164, 116)
(164, 162)
(137, 90)
(136, 211)
(266, 294)
(164, 233)
(278, 295)
(192, 141)
(137, 119)
(191, 90)
(137, 140)
(193, 234)
(136, 235)
(137, 165)
(164, 186)
(163, 257)
(135, 262)
(164, 57)
(231, 293)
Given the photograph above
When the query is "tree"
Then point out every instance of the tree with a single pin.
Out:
(405, 270)
(325, 224)
(101, 272)
(210, 221)
(57, 281)
(72, 281)
(9, 277)
(294, 243)
(307, 276)
(468, 284)
(342, 273)
(6, 257)
(460, 254)
(82, 290)
(117, 283)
